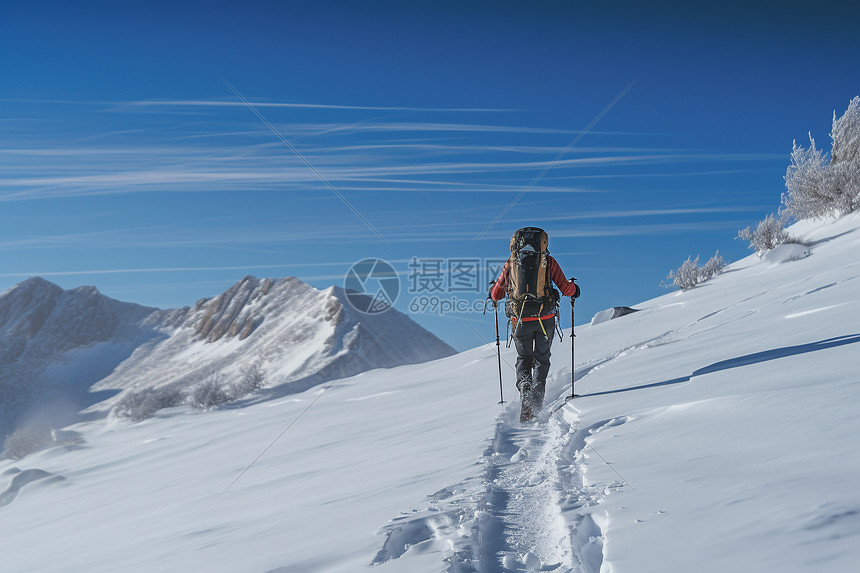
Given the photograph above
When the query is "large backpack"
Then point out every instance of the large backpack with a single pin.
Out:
(529, 288)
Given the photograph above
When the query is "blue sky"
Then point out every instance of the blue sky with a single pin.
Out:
(129, 163)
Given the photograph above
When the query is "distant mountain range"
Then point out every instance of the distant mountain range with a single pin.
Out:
(84, 350)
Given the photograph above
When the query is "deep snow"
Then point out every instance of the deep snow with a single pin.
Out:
(716, 432)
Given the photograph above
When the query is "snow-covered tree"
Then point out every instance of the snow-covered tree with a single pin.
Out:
(845, 159)
(712, 268)
(846, 135)
(816, 187)
(686, 276)
(806, 180)
(689, 274)
(768, 234)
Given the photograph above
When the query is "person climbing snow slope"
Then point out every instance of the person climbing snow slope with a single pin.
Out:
(532, 306)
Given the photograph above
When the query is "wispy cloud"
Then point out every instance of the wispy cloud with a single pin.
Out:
(144, 270)
(437, 227)
(99, 171)
(417, 127)
(557, 159)
(681, 173)
(630, 213)
(294, 105)
(237, 235)
(638, 230)
(310, 166)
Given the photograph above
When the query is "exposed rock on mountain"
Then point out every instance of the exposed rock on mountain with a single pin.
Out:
(73, 343)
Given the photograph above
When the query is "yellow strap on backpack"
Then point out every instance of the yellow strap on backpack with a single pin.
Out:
(540, 320)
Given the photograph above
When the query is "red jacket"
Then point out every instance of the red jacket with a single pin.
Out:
(567, 288)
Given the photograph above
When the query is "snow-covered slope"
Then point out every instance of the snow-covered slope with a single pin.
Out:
(85, 346)
(731, 412)
(716, 432)
(58, 343)
(302, 336)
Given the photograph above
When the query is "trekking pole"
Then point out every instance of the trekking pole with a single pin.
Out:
(499, 353)
(498, 343)
(572, 362)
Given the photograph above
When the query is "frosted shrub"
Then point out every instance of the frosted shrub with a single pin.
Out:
(252, 378)
(768, 234)
(144, 404)
(686, 276)
(712, 268)
(211, 392)
(816, 187)
(690, 274)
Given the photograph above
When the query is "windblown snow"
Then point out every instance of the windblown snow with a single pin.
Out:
(716, 432)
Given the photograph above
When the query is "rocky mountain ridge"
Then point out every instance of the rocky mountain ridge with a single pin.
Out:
(91, 350)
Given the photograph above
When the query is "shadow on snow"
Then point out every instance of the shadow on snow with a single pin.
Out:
(746, 360)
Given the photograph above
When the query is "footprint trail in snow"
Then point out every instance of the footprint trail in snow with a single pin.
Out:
(529, 510)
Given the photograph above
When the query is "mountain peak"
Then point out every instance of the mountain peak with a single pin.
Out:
(86, 290)
(301, 335)
(32, 285)
(23, 310)
(37, 280)
(235, 312)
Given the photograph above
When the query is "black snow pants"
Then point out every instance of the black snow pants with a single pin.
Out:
(533, 350)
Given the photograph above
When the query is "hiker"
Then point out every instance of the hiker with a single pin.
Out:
(532, 305)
